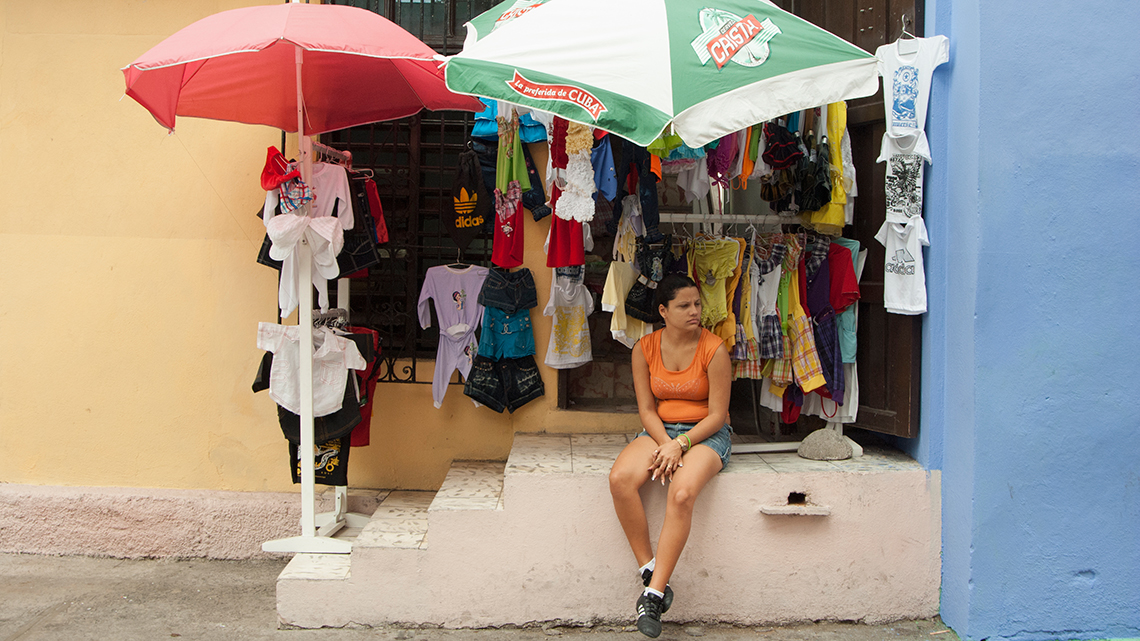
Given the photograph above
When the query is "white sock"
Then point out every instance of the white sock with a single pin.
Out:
(659, 595)
(648, 566)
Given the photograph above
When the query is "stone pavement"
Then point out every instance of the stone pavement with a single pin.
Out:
(77, 598)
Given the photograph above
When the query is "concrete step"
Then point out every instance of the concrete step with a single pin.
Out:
(775, 538)
(400, 521)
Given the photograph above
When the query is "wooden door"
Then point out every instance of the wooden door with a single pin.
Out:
(890, 347)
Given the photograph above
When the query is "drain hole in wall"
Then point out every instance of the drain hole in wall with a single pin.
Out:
(797, 498)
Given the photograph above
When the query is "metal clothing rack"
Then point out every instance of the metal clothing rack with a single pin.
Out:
(330, 153)
(731, 219)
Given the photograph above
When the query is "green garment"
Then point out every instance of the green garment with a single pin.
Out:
(511, 164)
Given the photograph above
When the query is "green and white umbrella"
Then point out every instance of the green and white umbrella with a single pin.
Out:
(632, 67)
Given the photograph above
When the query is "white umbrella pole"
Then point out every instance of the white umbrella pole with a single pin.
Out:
(309, 541)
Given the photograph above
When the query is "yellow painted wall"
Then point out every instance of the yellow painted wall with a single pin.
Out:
(131, 296)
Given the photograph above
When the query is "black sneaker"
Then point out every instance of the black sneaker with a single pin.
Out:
(667, 600)
(649, 615)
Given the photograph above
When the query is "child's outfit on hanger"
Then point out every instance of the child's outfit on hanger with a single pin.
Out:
(570, 303)
(459, 312)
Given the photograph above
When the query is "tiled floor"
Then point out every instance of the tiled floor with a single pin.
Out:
(401, 518)
(471, 485)
(401, 521)
(595, 453)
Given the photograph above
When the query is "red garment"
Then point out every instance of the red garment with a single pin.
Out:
(844, 285)
(507, 246)
(360, 433)
(566, 244)
(377, 211)
(558, 156)
(793, 403)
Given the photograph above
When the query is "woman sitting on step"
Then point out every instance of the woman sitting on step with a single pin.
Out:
(683, 378)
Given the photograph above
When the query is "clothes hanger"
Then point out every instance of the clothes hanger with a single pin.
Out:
(906, 45)
(458, 264)
(905, 33)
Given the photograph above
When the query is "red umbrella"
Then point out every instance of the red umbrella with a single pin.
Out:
(347, 66)
(328, 66)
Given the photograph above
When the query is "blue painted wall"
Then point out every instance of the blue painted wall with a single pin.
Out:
(1031, 366)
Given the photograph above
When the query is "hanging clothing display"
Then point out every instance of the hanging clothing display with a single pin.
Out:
(507, 245)
(768, 262)
(904, 278)
(511, 180)
(906, 66)
(330, 462)
(569, 304)
(654, 260)
(846, 321)
(814, 404)
(576, 201)
(712, 261)
(605, 174)
(370, 374)
(905, 168)
(505, 384)
(333, 356)
(459, 312)
(330, 426)
(635, 176)
(506, 334)
(504, 374)
(333, 194)
(625, 329)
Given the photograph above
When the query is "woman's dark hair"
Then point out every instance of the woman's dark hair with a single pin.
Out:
(667, 288)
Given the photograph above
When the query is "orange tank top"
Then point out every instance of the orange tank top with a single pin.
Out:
(682, 397)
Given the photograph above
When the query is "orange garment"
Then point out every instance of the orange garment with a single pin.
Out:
(682, 397)
(655, 166)
(749, 163)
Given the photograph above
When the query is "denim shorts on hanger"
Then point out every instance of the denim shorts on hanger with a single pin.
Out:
(509, 291)
(506, 384)
(506, 335)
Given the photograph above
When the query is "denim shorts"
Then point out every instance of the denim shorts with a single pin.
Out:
(506, 384)
(720, 441)
(506, 335)
(509, 291)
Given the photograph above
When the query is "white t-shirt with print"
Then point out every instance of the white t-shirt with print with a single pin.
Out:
(569, 303)
(906, 66)
(905, 168)
(904, 279)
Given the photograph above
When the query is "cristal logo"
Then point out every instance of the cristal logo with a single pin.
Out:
(518, 9)
(564, 93)
(726, 36)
